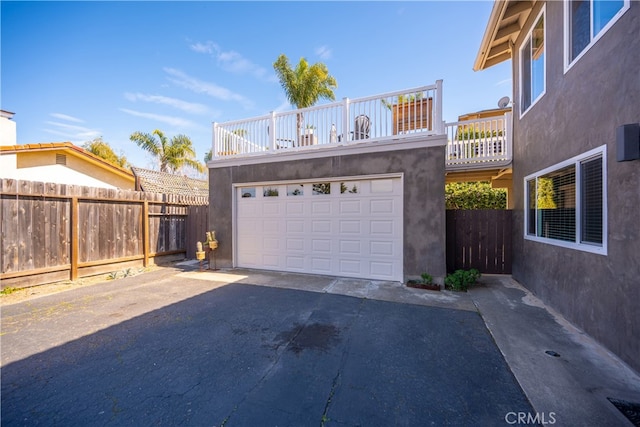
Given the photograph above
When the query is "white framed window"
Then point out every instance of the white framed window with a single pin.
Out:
(585, 21)
(533, 65)
(565, 204)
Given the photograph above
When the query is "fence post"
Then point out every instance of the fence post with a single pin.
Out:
(345, 120)
(145, 233)
(75, 245)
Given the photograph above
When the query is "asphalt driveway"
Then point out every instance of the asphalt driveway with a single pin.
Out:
(168, 349)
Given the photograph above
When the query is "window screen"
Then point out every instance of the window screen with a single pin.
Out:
(591, 203)
(556, 204)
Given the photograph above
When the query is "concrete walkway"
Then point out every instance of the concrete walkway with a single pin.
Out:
(241, 347)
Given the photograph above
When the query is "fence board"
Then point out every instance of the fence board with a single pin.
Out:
(479, 239)
(37, 240)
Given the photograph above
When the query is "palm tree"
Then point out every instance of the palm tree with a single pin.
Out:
(305, 84)
(172, 154)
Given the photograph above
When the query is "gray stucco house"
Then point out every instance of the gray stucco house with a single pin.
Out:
(576, 241)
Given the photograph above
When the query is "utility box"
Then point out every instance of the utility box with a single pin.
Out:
(628, 142)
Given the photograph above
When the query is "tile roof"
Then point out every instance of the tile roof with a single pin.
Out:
(162, 182)
(79, 151)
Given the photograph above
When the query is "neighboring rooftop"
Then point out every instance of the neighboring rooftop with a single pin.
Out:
(162, 182)
(67, 148)
(6, 114)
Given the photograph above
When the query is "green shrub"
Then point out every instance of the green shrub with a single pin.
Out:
(427, 279)
(460, 280)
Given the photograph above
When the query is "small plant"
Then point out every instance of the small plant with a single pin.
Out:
(8, 291)
(113, 275)
(460, 280)
(126, 273)
(427, 279)
(424, 282)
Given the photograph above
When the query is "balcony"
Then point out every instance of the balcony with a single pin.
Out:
(399, 117)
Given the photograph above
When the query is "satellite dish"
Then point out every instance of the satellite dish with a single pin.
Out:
(503, 102)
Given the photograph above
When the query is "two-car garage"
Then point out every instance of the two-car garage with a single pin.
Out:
(373, 210)
(350, 227)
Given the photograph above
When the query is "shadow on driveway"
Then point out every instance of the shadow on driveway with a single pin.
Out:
(244, 355)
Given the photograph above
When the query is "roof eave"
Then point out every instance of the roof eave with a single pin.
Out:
(502, 30)
(499, 6)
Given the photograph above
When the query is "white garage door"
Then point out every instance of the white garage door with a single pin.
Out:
(338, 228)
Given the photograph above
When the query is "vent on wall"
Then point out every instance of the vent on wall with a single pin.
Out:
(61, 159)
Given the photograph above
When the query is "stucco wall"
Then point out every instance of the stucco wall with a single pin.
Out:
(424, 209)
(41, 166)
(8, 132)
(580, 111)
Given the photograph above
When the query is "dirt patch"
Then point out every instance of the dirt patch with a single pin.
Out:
(10, 296)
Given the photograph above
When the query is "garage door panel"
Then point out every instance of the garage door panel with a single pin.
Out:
(271, 209)
(350, 267)
(294, 226)
(321, 245)
(381, 268)
(295, 209)
(248, 210)
(271, 244)
(321, 207)
(381, 186)
(350, 207)
(270, 260)
(321, 265)
(382, 206)
(381, 228)
(350, 226)
(295, 263)
(295, 245)
(321, 226)
(350, 247)
(381, 248)
(249, 259)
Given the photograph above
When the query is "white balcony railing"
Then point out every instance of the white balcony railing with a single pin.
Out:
(481, 142)
(395, 115)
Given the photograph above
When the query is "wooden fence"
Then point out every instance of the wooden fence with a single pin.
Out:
(479, 239)
(54, 231)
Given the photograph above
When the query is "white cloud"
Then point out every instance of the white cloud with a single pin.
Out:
(171, 120)
(324, 52)
(208, 47)
(71, 132)
(66, 117)
(188, 107)
(232, 61)
(188, 82)
(504, 82)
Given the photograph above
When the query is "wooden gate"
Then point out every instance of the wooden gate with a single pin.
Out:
(479, 239)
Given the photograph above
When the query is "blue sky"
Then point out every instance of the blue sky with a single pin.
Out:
(73, 71)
